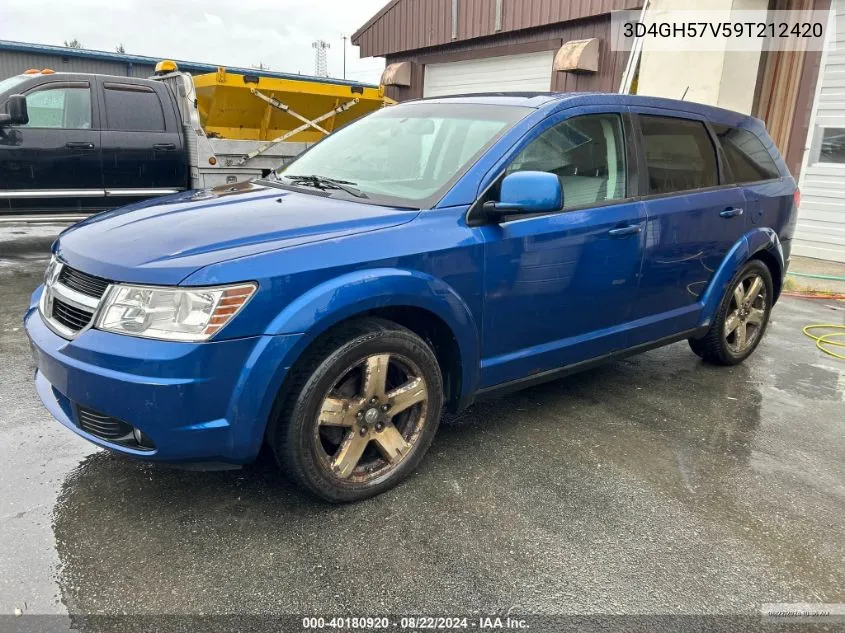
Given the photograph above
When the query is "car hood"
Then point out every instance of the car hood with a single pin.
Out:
(162, 241)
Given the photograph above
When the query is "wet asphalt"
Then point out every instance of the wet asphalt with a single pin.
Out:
(657, 484)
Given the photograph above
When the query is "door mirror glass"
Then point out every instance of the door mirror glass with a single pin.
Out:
(528, 192)
(16, 112)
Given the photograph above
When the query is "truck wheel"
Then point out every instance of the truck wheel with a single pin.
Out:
(361, 412)
(742, 317)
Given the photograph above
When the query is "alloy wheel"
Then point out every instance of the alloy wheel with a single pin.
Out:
(371, 418)
(746, 314)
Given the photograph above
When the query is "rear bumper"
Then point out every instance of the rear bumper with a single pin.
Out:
(206, 402)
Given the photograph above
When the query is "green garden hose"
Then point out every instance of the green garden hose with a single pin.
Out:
(812, 276)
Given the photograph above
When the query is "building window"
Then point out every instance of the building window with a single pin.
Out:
(832, 148)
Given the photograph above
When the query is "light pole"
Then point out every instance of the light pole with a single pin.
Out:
(344, 56)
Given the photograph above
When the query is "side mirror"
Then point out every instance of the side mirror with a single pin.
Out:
(16, 112)
(527, 192)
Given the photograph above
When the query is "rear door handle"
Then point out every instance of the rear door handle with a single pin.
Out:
(164, 147)
(622, 231)
(732, 212)
(79, 145)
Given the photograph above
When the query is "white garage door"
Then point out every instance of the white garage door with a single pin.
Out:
(526, 72)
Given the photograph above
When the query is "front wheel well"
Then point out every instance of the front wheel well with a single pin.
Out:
(775, 270)
(437, 333)
(425, 324)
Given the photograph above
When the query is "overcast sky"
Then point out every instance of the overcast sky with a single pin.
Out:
(277, 33)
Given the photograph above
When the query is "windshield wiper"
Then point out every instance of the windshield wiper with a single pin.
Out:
(322, 182)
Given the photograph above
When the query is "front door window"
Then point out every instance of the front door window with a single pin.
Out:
(65, 108)
(587, 153)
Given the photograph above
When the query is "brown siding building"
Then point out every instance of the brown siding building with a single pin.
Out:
(440, 47)
(437, 46)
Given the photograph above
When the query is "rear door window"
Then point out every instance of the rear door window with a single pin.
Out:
(747, 157)
(679, 154)
(133, 108)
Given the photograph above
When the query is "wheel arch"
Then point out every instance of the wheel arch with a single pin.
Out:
(762, 244)
(775, 268)
(423, 304)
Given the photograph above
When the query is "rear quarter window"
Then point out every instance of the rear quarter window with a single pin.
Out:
(747, 157)
(679, 154)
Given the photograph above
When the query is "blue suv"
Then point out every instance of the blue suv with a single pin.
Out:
(428, 255)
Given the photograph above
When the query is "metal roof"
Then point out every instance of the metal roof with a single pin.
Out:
(409, 25)
(191, 67)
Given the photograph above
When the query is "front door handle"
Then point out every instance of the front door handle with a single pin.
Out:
(732, 212)
(79, 145)
(164, 147)
(622, 231)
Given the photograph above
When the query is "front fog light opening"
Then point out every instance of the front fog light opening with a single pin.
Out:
(141, 439)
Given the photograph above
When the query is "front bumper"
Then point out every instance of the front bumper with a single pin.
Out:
(205, 402)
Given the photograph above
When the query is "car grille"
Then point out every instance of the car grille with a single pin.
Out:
(83, 282)
(103, 426)
(71, 300)
(72, 318)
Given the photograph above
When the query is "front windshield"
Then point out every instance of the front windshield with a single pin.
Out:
(407, 154)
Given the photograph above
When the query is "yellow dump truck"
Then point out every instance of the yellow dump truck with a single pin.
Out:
(241, 126)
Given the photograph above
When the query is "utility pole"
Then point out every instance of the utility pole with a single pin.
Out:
(344, 57)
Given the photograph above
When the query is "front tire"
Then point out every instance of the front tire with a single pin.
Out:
(361, 412)
(742, 317)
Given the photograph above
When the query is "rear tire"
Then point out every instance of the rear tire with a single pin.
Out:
(742, 317)
(361, 411)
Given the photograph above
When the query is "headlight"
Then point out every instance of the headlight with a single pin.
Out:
(172, 314)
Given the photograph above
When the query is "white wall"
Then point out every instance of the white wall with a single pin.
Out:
(821, 219)
(722, 78)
